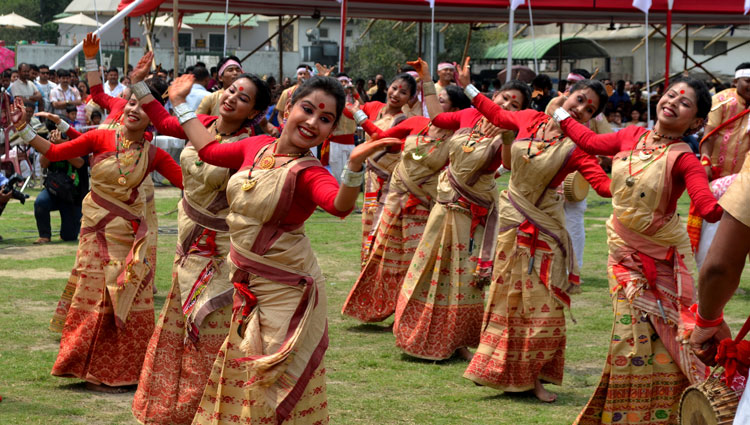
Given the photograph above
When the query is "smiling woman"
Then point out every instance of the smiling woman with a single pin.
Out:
(270, 366)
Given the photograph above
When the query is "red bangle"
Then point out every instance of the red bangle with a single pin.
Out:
(703, 323)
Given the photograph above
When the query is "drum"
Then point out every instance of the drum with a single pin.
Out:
(575, 187)
(710, 402)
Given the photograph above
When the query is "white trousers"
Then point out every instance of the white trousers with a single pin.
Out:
(574, 222)
(742, 417)
(338, 157)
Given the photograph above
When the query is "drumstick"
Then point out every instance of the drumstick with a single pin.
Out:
(596, 71)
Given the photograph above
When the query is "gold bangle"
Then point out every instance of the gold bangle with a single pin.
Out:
(20, 127)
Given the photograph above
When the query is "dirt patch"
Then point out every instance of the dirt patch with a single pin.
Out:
(36, 251)
(43, 273)
(166, 192)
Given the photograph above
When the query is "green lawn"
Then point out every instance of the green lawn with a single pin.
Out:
(369, 380)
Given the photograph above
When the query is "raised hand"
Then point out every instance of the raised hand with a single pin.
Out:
(17, 111)
(50, 116)
(142, 69)
(180, 88)
(422, 68)
(55, 136)
(90, 46)
(364, 150)
(464, 72)
(323, 70)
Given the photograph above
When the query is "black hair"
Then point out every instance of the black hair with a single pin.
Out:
(262, 91)
(88, 90)
(63, 73)
(743, 65)
(158, 87)
(30, 104)
(542, 81)
(329, 85)
(522, 87)
(199, 63)
(702, 95)
(34, 67)
(70, 108)
(213, 69)
(200, 73)
(304, 65)
(43, 66)
(112, 69)
(21, 65)
(225, 60)
(598, 88)
(582, 72)
(95, 114)
(342, 74)
(409, 80)
(457, 97)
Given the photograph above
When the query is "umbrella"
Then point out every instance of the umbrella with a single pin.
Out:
(166, 21)
(17, 20)
(8, 23)
(78, 19)
(7, 59)
(518, 72)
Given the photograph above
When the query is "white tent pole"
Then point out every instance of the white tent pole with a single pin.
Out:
(533, 39)
(509, 64)
(432, 40)
(648, 81)
(101, 58)
(104, 28)
(226, 22)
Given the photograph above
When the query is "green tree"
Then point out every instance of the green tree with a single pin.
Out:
(40, 11)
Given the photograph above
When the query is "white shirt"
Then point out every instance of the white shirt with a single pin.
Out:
(58, 95)
(114, 92)
(197, 93)
(25, 90)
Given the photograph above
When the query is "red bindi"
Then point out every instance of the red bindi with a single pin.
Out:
(682, 91)
(322, 106)
(399, 86)
(514, 96)
(590, 101)
(241, 88)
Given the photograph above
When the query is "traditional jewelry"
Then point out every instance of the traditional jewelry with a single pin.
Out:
(471, 92)
(141, 90)
(658, 136)
(470, 144)
(417, 155)
(91, 65)
(63, 126)
(27, 134)
(428, 88)
(184, 113)
(268, 162)
(352, 178)
(360, 116)
(560, 114)
(122, 180)
(543, 144)
(630, 180)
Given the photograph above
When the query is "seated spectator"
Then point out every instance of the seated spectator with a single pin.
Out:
(64, 94)
(65, 186)
(635, 118)
(614, 117)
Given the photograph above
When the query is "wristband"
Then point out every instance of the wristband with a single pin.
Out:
(471, 91)
(560, 114)
(184, 113)
(63, 126)
(360, 117)
(26, 134)
(91, 66)
(703, 323)
(352, 179)
(140, 90)
(428, 88)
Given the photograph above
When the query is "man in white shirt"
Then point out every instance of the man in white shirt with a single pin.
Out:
(198, 91)
(23, 87)
(112, 87)
(64, 95)
(45, 85)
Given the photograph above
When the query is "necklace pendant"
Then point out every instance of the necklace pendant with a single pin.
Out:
(417, 156)
(198, 163)
(630, 181)
(657, 136)
(217, 137)
(249, 184)
(644, 156)
(527, 158)
(540, 146)
(122, 181)
(267, 162)
(468, 149)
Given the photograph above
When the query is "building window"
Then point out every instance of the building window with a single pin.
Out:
(185, 41)
(323, 32)
(348, 33)
(718, 48)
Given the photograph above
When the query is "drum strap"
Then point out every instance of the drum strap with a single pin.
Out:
(734, 356)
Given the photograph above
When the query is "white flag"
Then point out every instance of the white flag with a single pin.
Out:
(432, 3)
(670, 3)
(747, 6)
(515, 3)
(644, 5)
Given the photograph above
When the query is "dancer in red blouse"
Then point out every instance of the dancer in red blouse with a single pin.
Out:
(110, 318)
(270, 367)
(650, 260)
(534, 271)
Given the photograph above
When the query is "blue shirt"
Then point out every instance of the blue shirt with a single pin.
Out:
(197, 93)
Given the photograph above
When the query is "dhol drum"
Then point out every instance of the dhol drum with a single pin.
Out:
(711, 402)
(575, 187)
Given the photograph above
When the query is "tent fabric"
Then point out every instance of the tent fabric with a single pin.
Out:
(546, 48)
(545, 11)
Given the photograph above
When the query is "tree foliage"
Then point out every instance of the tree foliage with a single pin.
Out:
(40, 11)
(384, 48)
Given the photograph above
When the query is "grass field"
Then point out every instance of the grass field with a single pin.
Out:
(369, 380)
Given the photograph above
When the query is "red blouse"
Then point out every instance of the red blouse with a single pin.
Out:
(102, 141)
(114, 105)
(405, 128)
(315, 185)
(170, 125)
(524, 122)
(372, 109)
(686, 171)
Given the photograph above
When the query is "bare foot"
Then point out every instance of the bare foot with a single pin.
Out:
(542, 394)
(465, 354)
(101, 388)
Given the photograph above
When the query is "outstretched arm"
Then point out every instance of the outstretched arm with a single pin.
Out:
(431, 100)
(494, 113)
(600, 144)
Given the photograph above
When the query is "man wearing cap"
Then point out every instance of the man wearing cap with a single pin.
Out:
(724, 146)
(303, 74)
(445, 71)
